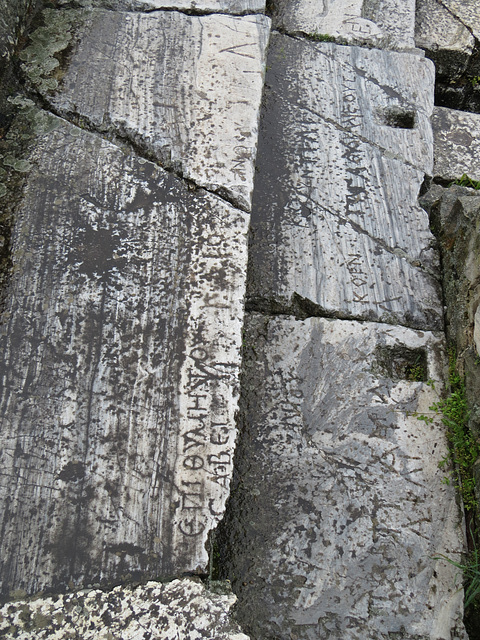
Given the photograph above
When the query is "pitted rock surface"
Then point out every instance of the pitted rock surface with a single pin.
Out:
(338, 510)
(119, 368)
(457, 144)
(185, 88)
(345, 139)
(388, 24)
(179, 610)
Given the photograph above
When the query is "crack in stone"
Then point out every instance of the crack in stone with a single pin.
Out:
(469, 29)
(303, 308)
(398, 252)
(124, 142)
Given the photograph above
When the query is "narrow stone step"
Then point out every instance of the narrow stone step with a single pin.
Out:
(457, 144)
(187, 89)
(120, 356)
(344, 143)
(387, 24)
(338, 511)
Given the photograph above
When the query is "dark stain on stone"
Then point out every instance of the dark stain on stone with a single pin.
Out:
(72, 472)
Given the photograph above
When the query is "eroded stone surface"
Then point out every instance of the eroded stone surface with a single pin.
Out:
(446, 39)
(185, 88)
(335, 219)
(233, 7)
(120, 353)
(12, 17)
(180, 610)
(457, 143)
(388, 24)
(468, 11)
(455, 215)
(338, 509)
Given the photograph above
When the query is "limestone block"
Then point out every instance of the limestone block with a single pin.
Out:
(233, 7)
(120, 356)
(187, 89)
(457, 144)
(387, 24)
(467, 11)
(338, 511)
(181, 609)
(345, 138)
(446, 39)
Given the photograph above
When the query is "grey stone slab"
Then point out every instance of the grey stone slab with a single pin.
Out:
(338, 510)
(456, 143)
(185, 88)
(446, 39)
(335, 218)
(233, 7)
(120, 355)
(468, 11)
(182, 609)
(387, 24)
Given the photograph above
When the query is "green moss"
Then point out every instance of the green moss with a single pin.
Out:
(464, 449)
(320, 37)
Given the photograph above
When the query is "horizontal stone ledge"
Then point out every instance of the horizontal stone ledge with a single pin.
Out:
(456, 143)
(338, 511)
(181, 609)
(387, 24)
(232, 7)
(120, 358)
(184, 89)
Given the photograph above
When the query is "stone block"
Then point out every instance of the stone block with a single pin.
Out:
(387, 24)
(338, 512)
(336, 227)
(444, 37)
(182, 609)
(185, 89)
(232, 7)
(120, 356)
(456, 137)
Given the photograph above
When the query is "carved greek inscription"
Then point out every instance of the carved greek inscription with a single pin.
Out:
(205, 453)
(356, 269)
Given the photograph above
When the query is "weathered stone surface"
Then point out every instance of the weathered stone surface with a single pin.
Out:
(120, 352)
(388, 24)
(336, 224)
(12, 18)
(338, 509)
(467, 11)
(444, 37)
(455, 214)
(180, 610)
(457, 144)
(233, 7)
(185, 88)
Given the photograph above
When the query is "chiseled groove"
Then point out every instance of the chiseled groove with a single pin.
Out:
(81, 122)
